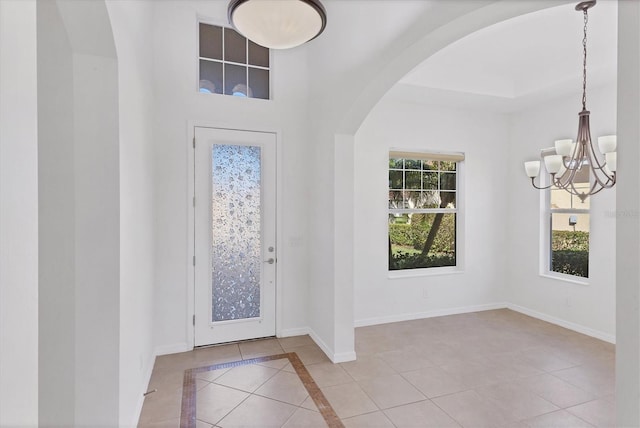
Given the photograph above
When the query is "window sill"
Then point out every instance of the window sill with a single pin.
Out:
(565, 278)
(413, 273)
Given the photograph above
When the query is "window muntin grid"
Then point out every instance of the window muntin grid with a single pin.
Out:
(416, 184)
(231, 64)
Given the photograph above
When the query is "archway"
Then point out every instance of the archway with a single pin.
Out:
(628, 382)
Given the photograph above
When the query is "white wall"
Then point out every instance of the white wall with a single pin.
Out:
(628, 218)
(56, 206)
(482, 136)
(178, 104)
(80, 212)
(95, 188)
(97, 231)
(18, 215)
(531, 130)
(132, 24)
(344, 186)
(322, 292)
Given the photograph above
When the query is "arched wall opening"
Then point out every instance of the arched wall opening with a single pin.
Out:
(486, 97)
(409, 56)
(421, 49)
(628, 231)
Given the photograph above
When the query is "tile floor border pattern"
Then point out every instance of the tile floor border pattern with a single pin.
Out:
(188, 408)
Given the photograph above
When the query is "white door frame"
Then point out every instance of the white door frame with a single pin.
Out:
(190, 280)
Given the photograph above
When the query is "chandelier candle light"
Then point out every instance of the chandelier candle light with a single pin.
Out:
(568, 159)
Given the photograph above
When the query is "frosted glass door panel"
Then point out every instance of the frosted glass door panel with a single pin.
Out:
(235, 228)
(234, 238)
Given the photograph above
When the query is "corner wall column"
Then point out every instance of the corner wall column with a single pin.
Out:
(628, 218)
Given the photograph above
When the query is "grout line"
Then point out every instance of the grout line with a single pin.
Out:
(577, 416)
(234, 407)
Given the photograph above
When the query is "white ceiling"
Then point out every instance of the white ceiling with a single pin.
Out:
(520, 61)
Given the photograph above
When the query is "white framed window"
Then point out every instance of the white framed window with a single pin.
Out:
(566, 244)
(230, 64)
(424, 203)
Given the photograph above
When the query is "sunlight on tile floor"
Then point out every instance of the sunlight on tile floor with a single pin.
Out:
(486, 369)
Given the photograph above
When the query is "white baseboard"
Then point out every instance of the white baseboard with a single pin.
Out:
(562, 323)
(428, 314)
(343, 357)
(328, 351)
(334, 357)
(145, 386)
(288, 332)
(172, 349)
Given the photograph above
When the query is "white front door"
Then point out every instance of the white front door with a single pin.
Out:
(234, 235)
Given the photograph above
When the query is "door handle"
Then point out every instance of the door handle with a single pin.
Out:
(270, 261)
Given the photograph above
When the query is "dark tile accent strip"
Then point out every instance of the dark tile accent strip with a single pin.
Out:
(188, 412)
(327, 412)
(188, 408)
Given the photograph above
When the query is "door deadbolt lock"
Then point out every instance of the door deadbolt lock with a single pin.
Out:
(270, 249)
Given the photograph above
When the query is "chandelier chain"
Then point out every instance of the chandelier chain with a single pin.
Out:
(584, 62)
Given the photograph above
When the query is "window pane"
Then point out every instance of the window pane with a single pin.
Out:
(258, 55)
(447, 181)
(428, 199)
(430, 180)
(447, 166)
(570, 244)
(448, 199)
(235, 77)
(425, 240)
(235, 46)
(412, 180)
(412, 164)
(429, 164)
(396, 200)
(210, 41)
(210, 77)
(396, 163)
(412, 199)
(259, 83)
(395, 179)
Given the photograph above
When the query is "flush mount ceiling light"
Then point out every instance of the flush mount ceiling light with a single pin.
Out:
(278, 24)
(569, 163)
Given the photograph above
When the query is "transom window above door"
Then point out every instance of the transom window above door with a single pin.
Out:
(230, 64)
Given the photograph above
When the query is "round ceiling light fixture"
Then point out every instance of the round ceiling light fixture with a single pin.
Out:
(278, 24)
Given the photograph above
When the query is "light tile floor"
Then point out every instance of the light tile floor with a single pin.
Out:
(486, 369)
